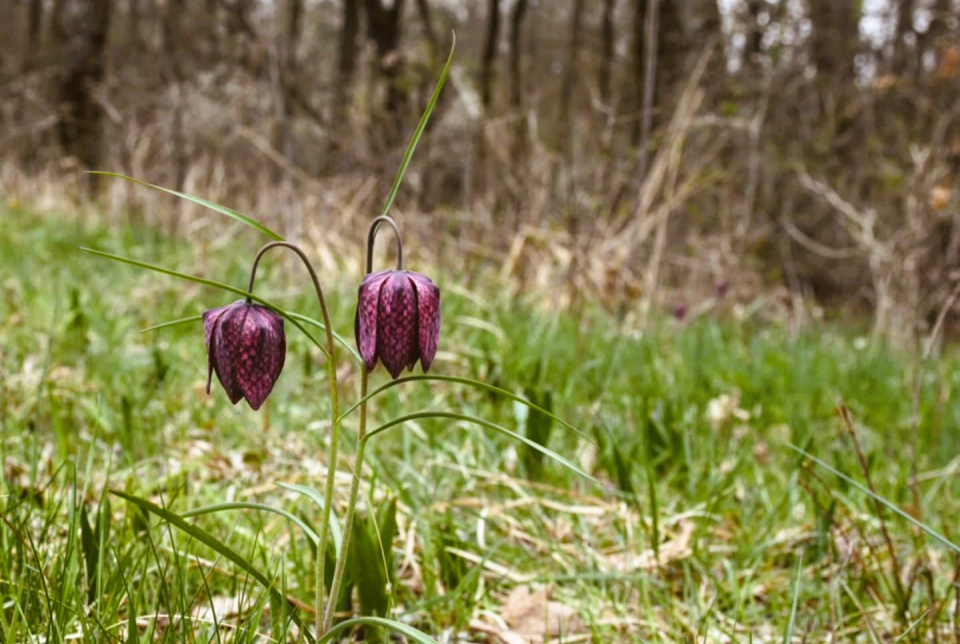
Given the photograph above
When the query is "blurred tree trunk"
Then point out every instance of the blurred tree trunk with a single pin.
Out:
(835, 38)
(426, 17)
(517, 15)
(901, 50)
(672, 51)
(754, 45)
(487, 72)
(570, 75)
(83, 36)
(287, 76)
(608, 38)
(567, 122)
(347, 60)
(171, 41)
(384, 28)
(489, 54)
(34, 24)
(638, 45)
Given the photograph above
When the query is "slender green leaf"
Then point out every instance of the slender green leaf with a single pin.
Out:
(473, 383)
(303, 318)
(419, 131)
(223, 210)
(366, 567)
(398, 627)
(788, 636)
(241, 505)
(208, 282)
(484, 423)
(912, 626)
(317, 498)
(212, 542)
(164, 325)
(876, 497)
(346, 344)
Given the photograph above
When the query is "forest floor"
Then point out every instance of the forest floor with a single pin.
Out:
(704, 524)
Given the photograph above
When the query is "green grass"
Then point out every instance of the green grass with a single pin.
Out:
(753, 542)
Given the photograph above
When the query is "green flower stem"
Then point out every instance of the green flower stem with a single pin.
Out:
(351, 508)
(335, 429)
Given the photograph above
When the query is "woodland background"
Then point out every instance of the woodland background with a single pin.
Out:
(803, 154)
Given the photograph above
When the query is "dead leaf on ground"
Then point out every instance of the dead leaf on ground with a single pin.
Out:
(675, 549)
(533, 618)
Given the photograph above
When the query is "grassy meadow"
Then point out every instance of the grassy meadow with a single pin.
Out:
(703, 524)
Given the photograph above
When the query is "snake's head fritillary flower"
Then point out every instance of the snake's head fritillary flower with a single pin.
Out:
(398, 320)
(246, 347)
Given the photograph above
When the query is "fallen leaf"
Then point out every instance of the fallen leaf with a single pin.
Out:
(533, 617)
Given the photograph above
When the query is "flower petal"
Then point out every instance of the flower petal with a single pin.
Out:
(396, 323)
(226, 341)
(261, 354)
(428, 314)
(210, 319)
(365, 321)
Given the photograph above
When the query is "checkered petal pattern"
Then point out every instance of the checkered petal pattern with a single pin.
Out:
(397, 321)
(246, 348)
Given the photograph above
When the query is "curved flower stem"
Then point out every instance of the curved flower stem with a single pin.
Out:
(351, 507)
(335, 429)
(372, 237)
(361, 438)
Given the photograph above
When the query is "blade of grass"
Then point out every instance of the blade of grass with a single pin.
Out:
(317, 498)
(483, 423)
(208, 282)
(246, 505)
(876, 497)
(788, 637)
(408, 155)
(223, 210)
(303, 318)
(473, 383)
(164, 325)
(212, 542)
(399, 627)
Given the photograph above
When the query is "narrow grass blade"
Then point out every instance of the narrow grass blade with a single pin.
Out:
(483, 423)
(164, 325)
(223, 210)
(406, 630)
(419, 131)
(930, 531)
(343, 342)
(239, 505)
(788, 637)
(473, 383)
(317, 498)
(303, 318)
(207, 282)
(226, 551)
(912, 626)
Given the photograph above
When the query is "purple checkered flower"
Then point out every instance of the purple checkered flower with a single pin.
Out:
(246, 346)
(398, 320)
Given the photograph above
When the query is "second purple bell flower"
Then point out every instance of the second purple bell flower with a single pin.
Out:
(246, 347)
(398, 320)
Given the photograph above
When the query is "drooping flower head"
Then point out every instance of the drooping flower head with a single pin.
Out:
(398, 320)
(246, 347)
(398, 314)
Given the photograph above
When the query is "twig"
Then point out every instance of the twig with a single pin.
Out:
(894, 560)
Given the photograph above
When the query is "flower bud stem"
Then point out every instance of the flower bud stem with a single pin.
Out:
(372, 237)
(334, 432)
(351, 507)
(361, 435)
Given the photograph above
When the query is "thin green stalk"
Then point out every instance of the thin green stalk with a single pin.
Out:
(351, 508)
(335, 428)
